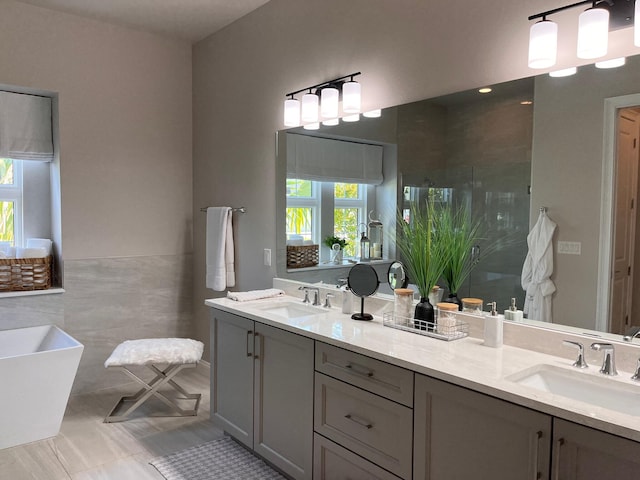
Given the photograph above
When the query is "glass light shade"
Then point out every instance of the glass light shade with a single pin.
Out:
(351, 118)
(309, 108)
(593, 33)
(329, 102)
(351, 97)
(565, 72)
(332, 122)
(613, 63)
(636, 26)
(291, 112)
(373, 113)
(543, 44)
(312, 126)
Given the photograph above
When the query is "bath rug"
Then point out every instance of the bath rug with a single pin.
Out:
(216, 460)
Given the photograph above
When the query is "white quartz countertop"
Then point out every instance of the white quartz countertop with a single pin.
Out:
(465, 362)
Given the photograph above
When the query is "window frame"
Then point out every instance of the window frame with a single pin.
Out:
(14, 193)
(323, 203)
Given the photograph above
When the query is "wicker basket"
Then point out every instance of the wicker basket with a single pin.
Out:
(299, 256)
(22, 274)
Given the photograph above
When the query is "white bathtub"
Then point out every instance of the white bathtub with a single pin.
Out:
(37, 369)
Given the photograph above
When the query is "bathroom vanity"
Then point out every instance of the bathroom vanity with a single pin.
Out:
(322, 396)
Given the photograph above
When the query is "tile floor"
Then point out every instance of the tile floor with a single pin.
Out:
(88, 449)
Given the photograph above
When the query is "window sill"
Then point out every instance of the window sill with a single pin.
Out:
(30, 293)
(344, 264)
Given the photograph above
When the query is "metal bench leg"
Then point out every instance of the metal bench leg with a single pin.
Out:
(163, 377)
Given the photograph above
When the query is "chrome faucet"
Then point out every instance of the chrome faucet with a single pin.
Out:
(632, 333)
(609, 360)
(316, 296)
(327, 301)
(580, 362)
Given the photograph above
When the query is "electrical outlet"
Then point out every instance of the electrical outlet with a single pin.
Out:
(569, 248)
(267, 257)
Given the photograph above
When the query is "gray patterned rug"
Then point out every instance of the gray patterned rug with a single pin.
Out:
(221, 459)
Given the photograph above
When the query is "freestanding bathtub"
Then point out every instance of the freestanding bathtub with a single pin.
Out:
(37, 369)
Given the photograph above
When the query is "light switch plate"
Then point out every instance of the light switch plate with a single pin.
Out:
(569, 248)
(267, 257)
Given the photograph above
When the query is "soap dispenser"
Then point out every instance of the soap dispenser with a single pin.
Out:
(513, 313)
(493, 328)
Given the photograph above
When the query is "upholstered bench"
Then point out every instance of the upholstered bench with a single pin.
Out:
(165, 357)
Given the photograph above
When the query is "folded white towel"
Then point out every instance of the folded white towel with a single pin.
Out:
(255, 294)
(40, 243)
(220, 250)
(31, 252)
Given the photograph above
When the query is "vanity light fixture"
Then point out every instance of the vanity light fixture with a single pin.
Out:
(312, 126)
(565, 72)
(321, 102)
(309, 108)
(613, 63)
(593, 32)
(291, 112)
(331, 122)
(373, 113)
(594, 25)
(485, 90)
(351, 118)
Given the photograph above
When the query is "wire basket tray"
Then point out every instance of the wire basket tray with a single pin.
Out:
(452, 329)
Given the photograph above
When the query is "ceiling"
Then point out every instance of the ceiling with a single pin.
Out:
(190, 20)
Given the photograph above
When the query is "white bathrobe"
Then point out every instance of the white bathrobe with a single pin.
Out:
(538, 267)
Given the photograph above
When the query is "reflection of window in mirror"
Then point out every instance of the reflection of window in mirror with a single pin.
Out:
(316, 210)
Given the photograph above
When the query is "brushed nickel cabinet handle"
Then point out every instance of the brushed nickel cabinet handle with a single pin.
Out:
(359, 421)
(556, 469)
(256, 335)
(536, 447)
(249, 336)
(359, 370)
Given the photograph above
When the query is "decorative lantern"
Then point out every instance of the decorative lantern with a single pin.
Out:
(375, 238)
(364, 247)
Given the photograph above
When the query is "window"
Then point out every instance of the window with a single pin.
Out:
(316, 210)
(11, 201)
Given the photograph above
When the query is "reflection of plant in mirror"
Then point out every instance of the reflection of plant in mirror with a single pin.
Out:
(458, 235)
(421, 250)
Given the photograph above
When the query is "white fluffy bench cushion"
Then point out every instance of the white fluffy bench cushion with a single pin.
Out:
(156, 350)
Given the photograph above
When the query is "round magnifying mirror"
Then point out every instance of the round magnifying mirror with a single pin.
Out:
(363, 282)
(397, 276)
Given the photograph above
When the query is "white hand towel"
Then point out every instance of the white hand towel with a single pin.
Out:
(220, 251)
(40, 243)
(255, 294)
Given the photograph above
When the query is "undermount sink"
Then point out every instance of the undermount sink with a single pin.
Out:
(583, 387)
(291, 309)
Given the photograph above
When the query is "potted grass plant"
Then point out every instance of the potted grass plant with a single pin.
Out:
(458, 234)
(423, 255)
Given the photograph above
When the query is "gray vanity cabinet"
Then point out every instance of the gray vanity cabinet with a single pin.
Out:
(463, 434)
(582, 453)
(262, 390)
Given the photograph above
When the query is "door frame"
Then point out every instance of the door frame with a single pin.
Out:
(603, 301)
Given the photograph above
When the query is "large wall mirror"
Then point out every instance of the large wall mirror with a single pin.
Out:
(530, 143)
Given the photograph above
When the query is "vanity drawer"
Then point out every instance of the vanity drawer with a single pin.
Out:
(394, 383)
(371, 426)
(332, 462)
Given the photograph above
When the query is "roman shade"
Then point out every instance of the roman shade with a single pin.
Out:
(328, 160)
(25, 127)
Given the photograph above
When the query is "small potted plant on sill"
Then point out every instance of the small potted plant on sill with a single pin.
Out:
(336, 245)
(423, 255)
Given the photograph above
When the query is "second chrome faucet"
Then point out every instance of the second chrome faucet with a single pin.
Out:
(608, 361)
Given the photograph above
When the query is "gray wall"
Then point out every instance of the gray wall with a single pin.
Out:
(407, 51)
(566, 177)
(125, 128)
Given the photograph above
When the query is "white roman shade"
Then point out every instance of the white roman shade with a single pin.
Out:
(25, 127)
(327, 160)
